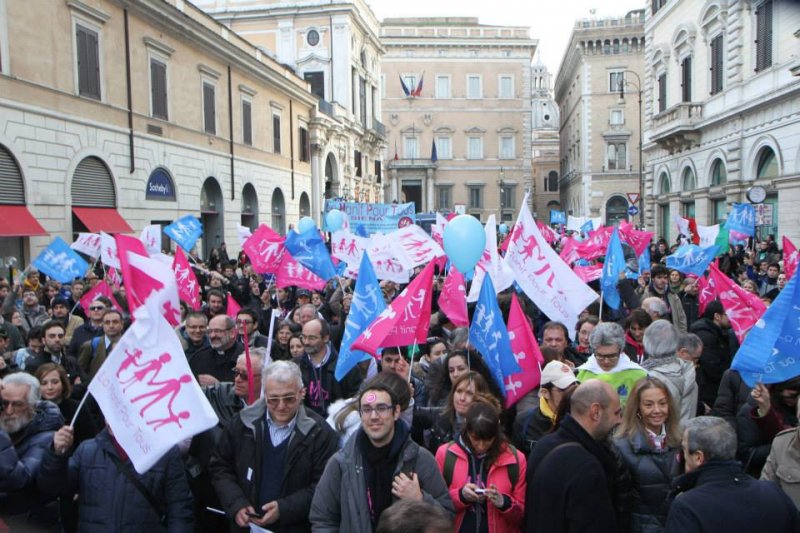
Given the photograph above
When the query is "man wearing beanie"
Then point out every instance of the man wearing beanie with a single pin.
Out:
(60, 308)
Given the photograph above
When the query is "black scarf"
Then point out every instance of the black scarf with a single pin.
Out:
(379, 466)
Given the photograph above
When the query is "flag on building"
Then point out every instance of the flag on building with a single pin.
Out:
(406, 90)
(434, 154)
(418, 90)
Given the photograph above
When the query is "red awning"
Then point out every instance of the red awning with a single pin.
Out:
(17, 221)
(98, 219)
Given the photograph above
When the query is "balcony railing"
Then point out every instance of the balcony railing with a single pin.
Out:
(378, 127)
(327, 108)
(677, 127)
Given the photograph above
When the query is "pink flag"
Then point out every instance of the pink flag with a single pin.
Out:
(188, 287)
(597, 243)
(290, 272)
(638, 240)
(437, 229)
(547, 232)
(87, 243)
(101, 289)
(589, 273)
(405, 321)
(113, 278)
(418, 246)
(706, 293)
(264, 248)
(526, 352)
(453, 298)
(569, 250)
(742, 307)
(789, 257)
(233, 307)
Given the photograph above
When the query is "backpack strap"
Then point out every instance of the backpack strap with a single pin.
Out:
(95, 342)
(449, 464)
(513, 469)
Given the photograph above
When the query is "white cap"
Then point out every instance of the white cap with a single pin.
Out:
(558, 374)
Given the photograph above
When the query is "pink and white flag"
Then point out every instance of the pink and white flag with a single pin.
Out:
(233, 307)
(147, 279)
(146, 391)
(151, 238)
(244, 233)
(789, 258)
(453, 298)
(569, 250)
(101, 289)
(348, 247)
(490, 262)
(113, 278)
(526, 352)
(437, 230)
(546, 278)
(290, 272)
(188, 287)
(108, 250)
(547, 232)
(742, 307)
(87, 243)
(706, 293)
(419, 247)
(638, 240)
(265, 249)
(405, 321)
(596, 244)
(589, 273)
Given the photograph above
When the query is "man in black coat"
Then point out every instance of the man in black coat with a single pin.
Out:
(215, 363)
(571, 475)
(270, 457)
(713, 329)
(715, 495)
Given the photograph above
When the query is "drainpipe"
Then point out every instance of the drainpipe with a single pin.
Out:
(132, 164)
(230, 130)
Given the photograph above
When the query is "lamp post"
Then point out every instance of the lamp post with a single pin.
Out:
(500, 179)
(638, 85)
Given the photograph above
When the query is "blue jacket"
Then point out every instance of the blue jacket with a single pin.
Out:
(109, 501)
(21, 457)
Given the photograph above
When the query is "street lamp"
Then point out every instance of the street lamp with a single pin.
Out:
(500, 178)
(638, 85)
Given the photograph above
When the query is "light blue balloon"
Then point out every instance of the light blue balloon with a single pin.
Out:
(334, 220)
(305, 224)
(464, 241)
(503, 229)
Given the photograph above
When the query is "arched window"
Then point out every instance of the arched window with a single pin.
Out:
(767, 164)
(278, 212)
(664, 185)
(12, 188)
(249, 207)
(616, 210)
(719, 175)
(305, 205)
(689, 182)
(92, 184)
(552, 181)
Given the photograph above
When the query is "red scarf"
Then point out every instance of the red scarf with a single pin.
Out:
(639, 347)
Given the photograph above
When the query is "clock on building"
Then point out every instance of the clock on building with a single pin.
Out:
(756, 194)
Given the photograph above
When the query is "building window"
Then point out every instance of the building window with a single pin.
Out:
(88, 52)
(312, 38)
(507, 147)
(767, 164)
(474, 87)
(410, 81)
(666, 186)
(616, 81)
(247, 123)
(357, 157)
(689, 181)
(209, 108)
(444, 148)
(686, 79)
(305, 145)
(508, 197)
(276, 133)
(551, 182)
(410, 147)
(506, 88)
(719, 175)
(662, 92)
(616, 156)
(657, 4)
(476, 197)
(720, 211)
(445, 198)
(362, 101)
(664, 217)
(442, 86)
(158, 89)
(378, 171)
(616, 117)
(317, 82)
(764, 35)
(687, 209)
(616, 210)
(716, 64)
(475, 148)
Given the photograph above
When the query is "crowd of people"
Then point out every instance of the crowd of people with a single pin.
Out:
(639, 424)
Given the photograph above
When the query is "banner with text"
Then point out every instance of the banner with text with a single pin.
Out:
(375, 217)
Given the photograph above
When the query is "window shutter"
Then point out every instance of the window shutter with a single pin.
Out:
(158, 89)
(247, 124)
(92, 184)
(716, 64)
(93, 53)
(276, 134)
(209, 113)
(662, 92)
(686, 79)
(12, 189)
(764, 36)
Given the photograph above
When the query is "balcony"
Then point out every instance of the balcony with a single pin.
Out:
(378, 127)
(327, 108)
(676, 129)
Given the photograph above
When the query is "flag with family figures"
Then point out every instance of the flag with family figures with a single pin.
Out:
(526, 353)
(309, 250)
(185, 231)
(742, 219)
(692, 259)
(60, 262)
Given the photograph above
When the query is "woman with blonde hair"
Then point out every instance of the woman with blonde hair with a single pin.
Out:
(649, 441)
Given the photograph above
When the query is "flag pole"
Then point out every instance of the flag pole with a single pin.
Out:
(600, 311)
(78, 410)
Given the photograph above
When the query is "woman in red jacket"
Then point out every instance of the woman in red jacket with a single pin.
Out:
(485, 473)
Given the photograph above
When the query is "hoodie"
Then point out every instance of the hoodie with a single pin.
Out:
(622, 377)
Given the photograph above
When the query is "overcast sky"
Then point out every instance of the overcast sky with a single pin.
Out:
(550, 21)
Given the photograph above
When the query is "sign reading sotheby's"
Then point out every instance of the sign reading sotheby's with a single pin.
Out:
(160, 186)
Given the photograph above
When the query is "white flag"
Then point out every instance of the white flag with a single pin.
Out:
(547, 280)
(151, 238)
(87, 243)
(348, 247)
(108, 251)
(708, 235)
(244, 234)
(490, 262)
(147, 392)
(418, 245)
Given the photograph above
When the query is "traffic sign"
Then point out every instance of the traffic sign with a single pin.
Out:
(633, 197)
(633, 210)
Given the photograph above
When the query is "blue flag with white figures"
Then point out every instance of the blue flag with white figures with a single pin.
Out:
(742, 219)
(61, 262)
(309, 250)
(692, 259)
(558, 217)
(185, 231)
(587, 227)
(770, 353)
(613, 264)
(489, 334)
(367, 304)
(644, 261)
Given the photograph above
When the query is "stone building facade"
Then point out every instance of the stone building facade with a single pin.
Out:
(544, 143)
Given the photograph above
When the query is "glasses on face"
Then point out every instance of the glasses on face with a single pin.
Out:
(382, 409)
(97, 308)
(606, 356)
(239, 374)
(244, 322)
(287, 400)
(211, 331)
(15, 404)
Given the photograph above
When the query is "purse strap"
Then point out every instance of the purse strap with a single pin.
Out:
(125, 469)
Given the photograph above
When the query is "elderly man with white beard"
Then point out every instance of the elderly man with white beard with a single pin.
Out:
(27, 425)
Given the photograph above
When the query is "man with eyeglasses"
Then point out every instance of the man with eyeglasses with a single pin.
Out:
(378, 465)
(27, 426)
(215, 363)
(270, 457)
(247, 319)
(318, 365)
(193, 334)
(92, 327)
(94, 352)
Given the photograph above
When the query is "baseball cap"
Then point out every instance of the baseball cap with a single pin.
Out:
(558, 374)
(303, 292)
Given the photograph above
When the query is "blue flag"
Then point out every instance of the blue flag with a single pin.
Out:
(742, 218)
(558, 217)
(587, 227)
(367, 304)
(361, 231)
(61, 262)
(434, 154)
(185, 231)
(691, 259)
(613, 264)
(309, 250)
(489, 334)
(769, 351)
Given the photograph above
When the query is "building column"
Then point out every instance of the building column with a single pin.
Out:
(429, 203)
(317, 177)
(395, 187)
